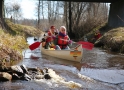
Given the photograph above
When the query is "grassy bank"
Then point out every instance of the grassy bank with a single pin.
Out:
(11, 46)
(22, 30)
(112, 38)
(13, 41)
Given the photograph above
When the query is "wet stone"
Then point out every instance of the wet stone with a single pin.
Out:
(21, 72)
(5, 76)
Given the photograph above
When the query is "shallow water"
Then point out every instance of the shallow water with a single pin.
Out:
(99, 70)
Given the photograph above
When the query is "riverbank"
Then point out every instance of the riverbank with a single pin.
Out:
(112, 39)
(13, 41)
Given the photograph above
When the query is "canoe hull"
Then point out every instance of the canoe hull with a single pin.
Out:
(75, 54)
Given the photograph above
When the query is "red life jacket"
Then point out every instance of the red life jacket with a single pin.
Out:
(63, 41)
(49, 39)
(97, 36)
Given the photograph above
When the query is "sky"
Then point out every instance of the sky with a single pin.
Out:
(27, 6)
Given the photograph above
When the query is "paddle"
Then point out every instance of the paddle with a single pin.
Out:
(86, 45)
(34, 45)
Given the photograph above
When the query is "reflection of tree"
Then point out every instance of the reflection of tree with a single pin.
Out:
(116, 61)
(82, 65)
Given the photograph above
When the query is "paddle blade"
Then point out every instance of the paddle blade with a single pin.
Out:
(86, 45)
(34, 45)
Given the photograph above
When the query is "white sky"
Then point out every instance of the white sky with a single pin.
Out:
(27, 6)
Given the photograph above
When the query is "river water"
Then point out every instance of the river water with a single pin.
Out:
(99, 70)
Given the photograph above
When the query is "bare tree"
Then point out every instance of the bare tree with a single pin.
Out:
(14, 11)
(83, 17)
(65, 15)
(39, 12)
(8, 11)
(79, 17)
(42, 10)
(70, 19)
(2, 14)
(1, 8)
(53, 11)
(49, 11)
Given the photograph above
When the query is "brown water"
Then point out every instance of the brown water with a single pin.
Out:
(99, 70)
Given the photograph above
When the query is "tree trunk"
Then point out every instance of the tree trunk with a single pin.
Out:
(39, 13)
(42, 11)
(1, 8)
(1, 14)
(70, 17)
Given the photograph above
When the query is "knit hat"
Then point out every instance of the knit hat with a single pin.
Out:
(52, 27)
(62, 27)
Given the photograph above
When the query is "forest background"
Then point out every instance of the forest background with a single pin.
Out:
(79, 17)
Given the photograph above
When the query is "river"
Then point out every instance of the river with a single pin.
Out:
(99, 70)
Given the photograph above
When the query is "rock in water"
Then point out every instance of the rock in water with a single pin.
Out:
(24, 68)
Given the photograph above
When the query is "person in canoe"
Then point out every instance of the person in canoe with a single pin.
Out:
(97, 35)
(62, 40)
(49, 37)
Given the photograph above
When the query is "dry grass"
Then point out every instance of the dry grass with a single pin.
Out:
(13, 41)
(11, 46)
(23, 30)
(114, 39)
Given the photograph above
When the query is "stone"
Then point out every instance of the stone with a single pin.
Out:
(5, 76)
